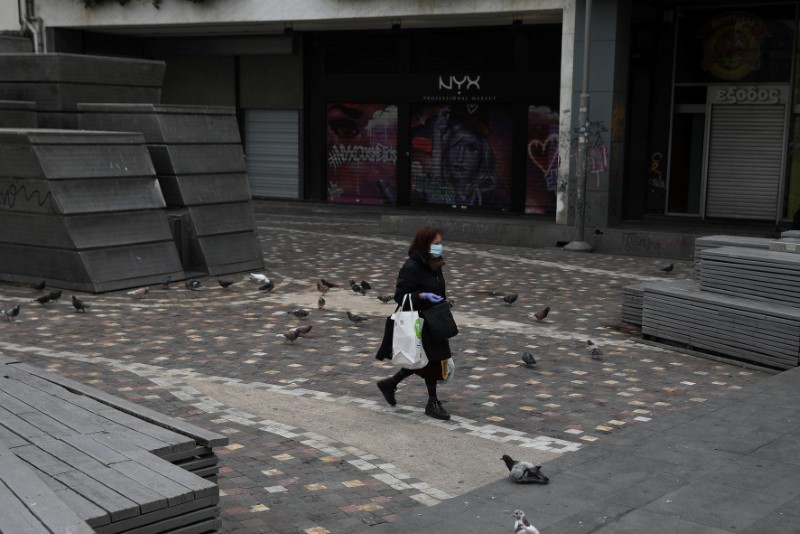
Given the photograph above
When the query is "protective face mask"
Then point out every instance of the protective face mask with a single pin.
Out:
(436, 250)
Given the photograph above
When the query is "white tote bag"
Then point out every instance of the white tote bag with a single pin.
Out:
(407, 348)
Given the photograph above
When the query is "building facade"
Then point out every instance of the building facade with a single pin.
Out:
(474, 106)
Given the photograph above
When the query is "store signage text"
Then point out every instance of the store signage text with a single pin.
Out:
(748, 95)
(454, 80)
(465, 86)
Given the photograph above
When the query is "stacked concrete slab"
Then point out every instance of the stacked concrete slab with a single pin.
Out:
(759, 332)
(766, 275)
(75, 459)
(197, 155)
(745, 303)
(17, 114)
(58, 82)
(632, 303)
(82, 210)
(716, 241)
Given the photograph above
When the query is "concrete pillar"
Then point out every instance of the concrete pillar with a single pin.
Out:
(608, 86)
(565, 112)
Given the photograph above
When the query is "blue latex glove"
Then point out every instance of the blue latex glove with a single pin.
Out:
(431, 297)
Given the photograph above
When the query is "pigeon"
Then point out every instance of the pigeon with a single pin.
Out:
(357, 288)
(385, 298)
(193, 284)
(327, 284)
(594, 350)
(668, 268)
(79, 304)
(541, 314)
(10, 313)
(166, 281)
(269, 286)
(224, 283)
(40, 286)
(260, 278)
(322, 288)
(528, 358)
(522, 525)
(356, 318)
(55, 295)
(303, 330)
(298, 313)
(320, 302)
(509, 299)
(365, 285)
(44, 299)
(139, 293)
(290, 335)
(524, 472)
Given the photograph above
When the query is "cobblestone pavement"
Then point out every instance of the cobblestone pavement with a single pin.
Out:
(284, 478)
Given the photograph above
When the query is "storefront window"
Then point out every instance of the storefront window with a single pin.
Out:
(461, 155)
(362, 153)
(752, 45)
(542, 167)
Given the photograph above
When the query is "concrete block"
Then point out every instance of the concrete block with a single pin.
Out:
(80, 68)
(106, 195)
(195, 189)
(222, 218)
(163, 124)
(197, 159)
(18, 114)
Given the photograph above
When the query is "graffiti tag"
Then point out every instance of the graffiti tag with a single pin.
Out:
(380, 153)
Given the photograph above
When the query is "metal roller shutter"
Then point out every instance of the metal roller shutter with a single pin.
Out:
(272, 148)
(745, 157)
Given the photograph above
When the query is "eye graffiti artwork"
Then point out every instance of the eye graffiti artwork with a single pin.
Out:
(461, 155)
(542, 166)
(362, 153)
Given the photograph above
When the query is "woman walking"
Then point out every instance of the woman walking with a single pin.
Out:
(421, 278)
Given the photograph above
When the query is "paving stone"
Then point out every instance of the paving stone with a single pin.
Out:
(143, 350)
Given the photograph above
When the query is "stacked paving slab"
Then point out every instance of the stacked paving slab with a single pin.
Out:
(82, 210)
(56, 83)
(197, 155)
(16, 114)
(745, 303)
(75, 459)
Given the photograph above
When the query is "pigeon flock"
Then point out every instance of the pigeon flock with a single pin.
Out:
(520, 472)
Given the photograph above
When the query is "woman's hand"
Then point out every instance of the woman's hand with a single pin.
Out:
(431, 297)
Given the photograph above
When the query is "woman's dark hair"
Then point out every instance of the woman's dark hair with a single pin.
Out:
(422, 241)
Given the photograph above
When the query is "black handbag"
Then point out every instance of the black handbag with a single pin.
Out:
(385, 350)
(439, 321)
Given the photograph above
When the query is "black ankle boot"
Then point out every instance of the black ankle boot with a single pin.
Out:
(388, 387)
(436, 410)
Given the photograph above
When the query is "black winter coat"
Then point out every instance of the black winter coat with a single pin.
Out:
(416, 277)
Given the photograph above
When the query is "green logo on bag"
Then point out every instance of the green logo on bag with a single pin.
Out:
(418, 328)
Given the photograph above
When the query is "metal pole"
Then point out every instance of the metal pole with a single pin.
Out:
(578, 244)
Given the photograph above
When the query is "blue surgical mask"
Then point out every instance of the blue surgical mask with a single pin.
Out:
(436, 250)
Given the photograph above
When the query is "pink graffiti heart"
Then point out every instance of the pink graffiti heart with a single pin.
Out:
(544, 153)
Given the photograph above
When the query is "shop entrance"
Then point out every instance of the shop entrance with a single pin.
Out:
(745, 151)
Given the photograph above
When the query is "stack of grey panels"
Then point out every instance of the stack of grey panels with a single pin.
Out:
(753, 331)
(17, 114)
(101, 461)
(197, 154)
(82, 210)
(716, 241)
(632, 303)
(58, 82)
(765, 275)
